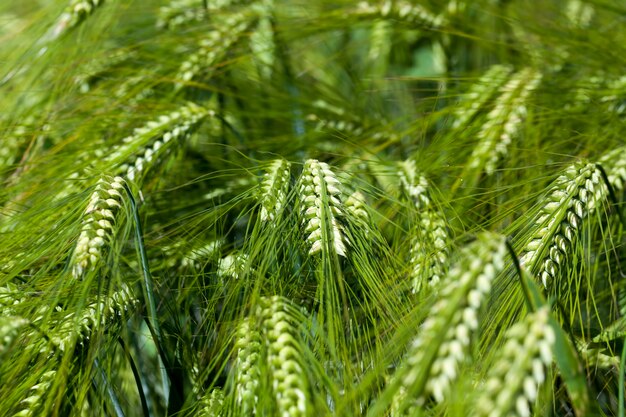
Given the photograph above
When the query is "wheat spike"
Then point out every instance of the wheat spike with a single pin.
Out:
(99, 220)
(247, 371)
(274, 189)
(357, 207)
(289, 382)
(432, 363)
(214, 46)
(211, 404)
(322, 207)
(156, 139)
(9, 331)
(480, 93)
(178, 13)
(614, 163)
(79, 327)
(575, 194)
(430, 236)
(504, 121)
(514, 380)
(75, 13)
(579, 13)
(36, 396)
(403, 11)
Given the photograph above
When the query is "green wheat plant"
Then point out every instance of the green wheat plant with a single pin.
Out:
(284, 208)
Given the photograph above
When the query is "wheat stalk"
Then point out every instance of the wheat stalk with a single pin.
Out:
(322, 207)
(442, 345)
(99, 221)
(274, 189)
(575, 194)
(513, 382)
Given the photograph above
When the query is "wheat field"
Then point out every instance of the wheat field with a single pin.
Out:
(312, 208)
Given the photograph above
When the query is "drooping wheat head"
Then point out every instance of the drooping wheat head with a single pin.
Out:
(504, 120)
(274, 189)
(99, 224)
(284, 358)
(443, 343)
(148, 145)
(430, 240)
(480, 93)
(513, 382)
(248, 345)
(573, 196)
(322, 208)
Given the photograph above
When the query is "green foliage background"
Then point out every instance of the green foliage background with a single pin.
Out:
(173, 242)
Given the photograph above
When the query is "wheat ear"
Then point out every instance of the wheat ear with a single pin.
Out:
(614, 163)
(211, 49)
(481, 93)
(9, 331)
(513, 382)
(433, 360)
(211, 404)
(322, 208)
(575, 194)
(429, 239)
(401, 10)
(75, 13)
(99, 220)
(504, 120)
(178, 13)
(274, 189)
(247, 367)
(150, 143)
(284, 358)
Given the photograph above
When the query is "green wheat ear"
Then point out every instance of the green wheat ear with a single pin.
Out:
(514, 381)
(442, 345)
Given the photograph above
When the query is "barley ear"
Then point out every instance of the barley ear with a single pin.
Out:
(274, 189)
(513, 382)
(100, 220)
(322, 208)
(443, 343)
(289, 382)
(579, 191)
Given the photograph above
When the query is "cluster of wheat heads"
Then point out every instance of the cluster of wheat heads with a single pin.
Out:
(312, 207)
